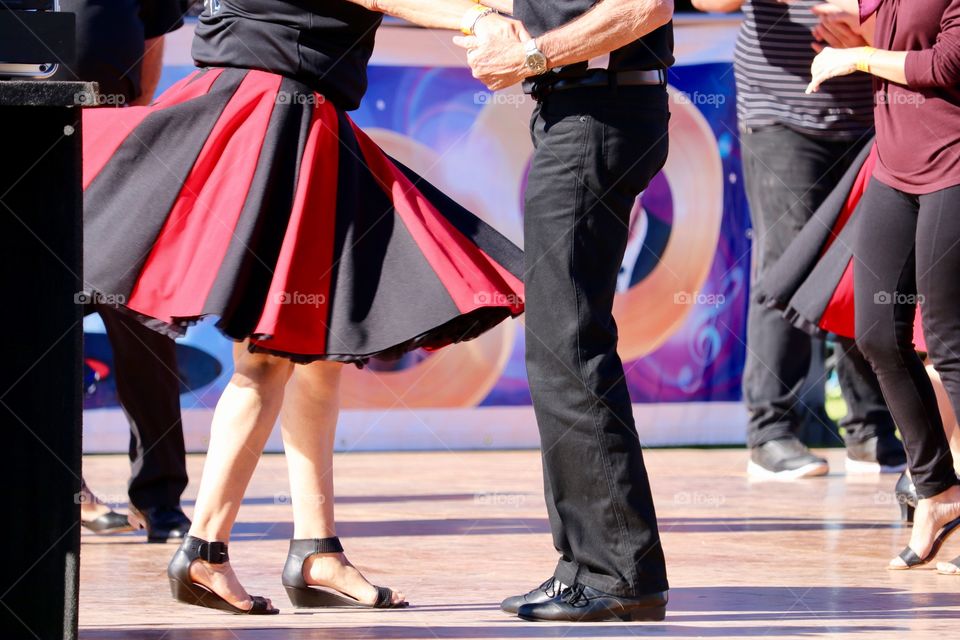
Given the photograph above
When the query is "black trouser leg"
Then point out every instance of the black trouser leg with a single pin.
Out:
(938, 281)
(787, 176)
(891, 251)
(594, 154)
(148, 388)
(867, 413)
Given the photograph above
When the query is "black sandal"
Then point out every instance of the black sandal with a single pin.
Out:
(185, 590)
(303, 595)
(955, 563)
(910, 557)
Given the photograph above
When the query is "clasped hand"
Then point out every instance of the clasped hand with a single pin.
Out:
(495, 53)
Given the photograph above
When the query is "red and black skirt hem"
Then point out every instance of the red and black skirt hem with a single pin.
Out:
(812, 282)
(245, 195)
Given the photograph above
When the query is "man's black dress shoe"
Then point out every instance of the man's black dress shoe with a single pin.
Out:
(547, 591)
(581, 603)
(165, 523)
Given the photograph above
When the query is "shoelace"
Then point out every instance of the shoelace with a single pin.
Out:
(574, 595)
(550, 587)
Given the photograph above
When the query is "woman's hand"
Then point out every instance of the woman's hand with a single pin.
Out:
(838, 28)
(833, 63)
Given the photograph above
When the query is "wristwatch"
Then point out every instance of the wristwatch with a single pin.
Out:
(535, 61)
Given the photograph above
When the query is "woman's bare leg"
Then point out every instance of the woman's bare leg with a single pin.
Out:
(244, 417)
(309, 424)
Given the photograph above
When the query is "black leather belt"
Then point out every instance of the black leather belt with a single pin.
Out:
(539, 88)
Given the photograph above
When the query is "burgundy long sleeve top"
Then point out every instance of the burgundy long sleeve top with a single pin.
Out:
(918, 125)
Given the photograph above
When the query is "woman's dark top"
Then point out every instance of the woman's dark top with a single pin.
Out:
(323, 44)
(918, 125)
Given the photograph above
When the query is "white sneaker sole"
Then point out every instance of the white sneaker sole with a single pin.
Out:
(856, 467)
(811, 470)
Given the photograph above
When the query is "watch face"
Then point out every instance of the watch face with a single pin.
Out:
(537, 62)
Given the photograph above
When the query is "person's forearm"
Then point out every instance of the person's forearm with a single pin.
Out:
(717, 6)
(440, 14)
(850, 6)
(609, 25)
(150, 70)
(889, 65)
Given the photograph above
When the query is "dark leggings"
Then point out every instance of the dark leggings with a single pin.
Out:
(907, 252)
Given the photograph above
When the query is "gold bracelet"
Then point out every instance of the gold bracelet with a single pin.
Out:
(863, 64)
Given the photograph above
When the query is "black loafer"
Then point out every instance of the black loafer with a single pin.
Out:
(581, 603)
(546, 591)
(165, 523)
(110, 522)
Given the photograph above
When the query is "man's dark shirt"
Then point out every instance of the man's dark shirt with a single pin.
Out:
(652, 51)
(110, 41)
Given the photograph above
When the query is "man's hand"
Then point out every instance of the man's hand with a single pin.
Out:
(495, 53)
(838, 28)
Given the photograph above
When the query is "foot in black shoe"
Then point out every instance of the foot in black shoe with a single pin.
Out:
(937, 519)
(200, 568)
(546, 591)
(951, 568)
(108, 523)
(581, 603)
(317, 574)
(785, 459)
(164, 523)
(879, 454)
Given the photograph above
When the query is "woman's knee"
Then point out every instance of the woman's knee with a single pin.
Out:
(260, 369)
(319, 377)
(883, 348)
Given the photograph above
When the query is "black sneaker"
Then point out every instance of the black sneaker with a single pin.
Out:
(879, 454)
(785, 459)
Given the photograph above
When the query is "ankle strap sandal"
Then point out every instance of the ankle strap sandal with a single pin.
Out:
(185, 590)
(305, 596)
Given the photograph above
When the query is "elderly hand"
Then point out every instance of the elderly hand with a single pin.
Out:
(495, 53)
(832, 63)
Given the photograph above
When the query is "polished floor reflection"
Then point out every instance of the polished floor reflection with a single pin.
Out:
(459, 531)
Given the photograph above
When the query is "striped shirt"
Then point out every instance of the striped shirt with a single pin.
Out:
(772, 68)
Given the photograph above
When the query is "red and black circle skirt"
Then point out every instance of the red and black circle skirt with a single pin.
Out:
(245, 195)
(812, 282)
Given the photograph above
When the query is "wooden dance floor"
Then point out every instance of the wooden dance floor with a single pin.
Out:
(459, 531)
